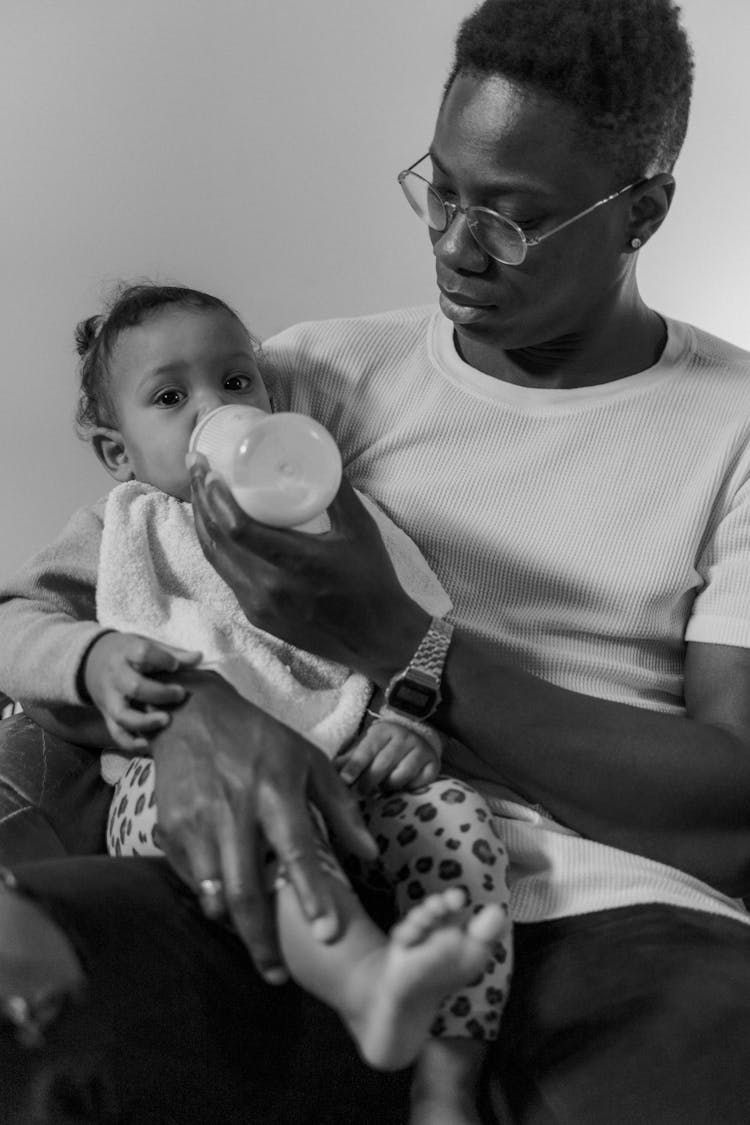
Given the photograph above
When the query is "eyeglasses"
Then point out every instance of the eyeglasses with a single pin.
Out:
(497, 235)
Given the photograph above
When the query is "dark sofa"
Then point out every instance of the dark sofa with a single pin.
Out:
(52, 799)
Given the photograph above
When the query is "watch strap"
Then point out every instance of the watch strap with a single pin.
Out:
(433, 649)
(415, 691)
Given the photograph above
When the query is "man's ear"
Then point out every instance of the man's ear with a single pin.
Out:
(110, 449)
(651, 202)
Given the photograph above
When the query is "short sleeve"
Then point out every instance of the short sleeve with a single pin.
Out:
(721, 611)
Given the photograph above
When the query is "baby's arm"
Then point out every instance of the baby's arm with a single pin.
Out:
(48, 617)
(122, 674)
(48, 631)
(392, 754)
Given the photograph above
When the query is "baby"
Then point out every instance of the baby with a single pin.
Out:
(129, 583)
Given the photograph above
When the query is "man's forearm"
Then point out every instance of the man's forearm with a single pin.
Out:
(667, 787)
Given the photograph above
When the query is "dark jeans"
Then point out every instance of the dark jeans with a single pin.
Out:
(625, 1017)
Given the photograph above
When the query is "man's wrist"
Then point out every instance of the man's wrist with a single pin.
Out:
(416, 691)
(404, 642)
(199, 685)
(208, 699)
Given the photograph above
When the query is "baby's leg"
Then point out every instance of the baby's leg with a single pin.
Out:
(445, 834)
(132, 812)
(442, 835)
(387, 990)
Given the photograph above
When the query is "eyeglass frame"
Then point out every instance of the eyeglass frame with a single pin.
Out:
(453, 209)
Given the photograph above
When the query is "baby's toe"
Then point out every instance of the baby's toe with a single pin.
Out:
(489, 924)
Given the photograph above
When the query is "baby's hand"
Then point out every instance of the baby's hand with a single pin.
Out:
(118, 677)
(389, 756)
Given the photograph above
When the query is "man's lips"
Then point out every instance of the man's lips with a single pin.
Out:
(464, 299)
(462, 309)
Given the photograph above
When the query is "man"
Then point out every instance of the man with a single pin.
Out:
(575, 468)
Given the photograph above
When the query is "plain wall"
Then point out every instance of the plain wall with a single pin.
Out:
(250, 147)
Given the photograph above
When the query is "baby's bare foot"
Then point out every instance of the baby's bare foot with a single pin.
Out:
(432, 952)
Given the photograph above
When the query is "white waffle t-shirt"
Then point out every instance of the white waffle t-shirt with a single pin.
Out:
(589, 531)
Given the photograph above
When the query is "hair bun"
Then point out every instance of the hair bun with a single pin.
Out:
(87, 332)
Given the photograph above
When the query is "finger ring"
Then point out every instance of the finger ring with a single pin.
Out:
(211, 888)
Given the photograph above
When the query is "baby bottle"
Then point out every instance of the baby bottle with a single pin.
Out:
(283, 469)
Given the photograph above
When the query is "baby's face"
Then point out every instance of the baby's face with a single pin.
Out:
(168, 372)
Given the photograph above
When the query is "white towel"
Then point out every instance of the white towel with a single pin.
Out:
(154, 580)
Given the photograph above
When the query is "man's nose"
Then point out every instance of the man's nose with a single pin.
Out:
(457, 248)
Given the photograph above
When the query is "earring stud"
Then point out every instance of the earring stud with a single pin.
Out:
(636, 243)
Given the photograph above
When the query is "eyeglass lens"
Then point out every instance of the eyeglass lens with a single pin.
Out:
(496, 236)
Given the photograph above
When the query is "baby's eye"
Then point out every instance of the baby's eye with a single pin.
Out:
(237, 382)
(169, 398)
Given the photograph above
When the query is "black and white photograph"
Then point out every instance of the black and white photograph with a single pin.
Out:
(375, 562)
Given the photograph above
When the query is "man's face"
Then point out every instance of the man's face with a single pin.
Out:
(500, 146)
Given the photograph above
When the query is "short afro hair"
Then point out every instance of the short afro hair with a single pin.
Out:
(625, 67)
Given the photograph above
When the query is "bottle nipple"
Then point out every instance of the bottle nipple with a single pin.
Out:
(283, 469)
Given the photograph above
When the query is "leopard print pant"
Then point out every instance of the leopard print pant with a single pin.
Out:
(443, 834)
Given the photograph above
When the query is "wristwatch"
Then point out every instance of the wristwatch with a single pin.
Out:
(415, 692)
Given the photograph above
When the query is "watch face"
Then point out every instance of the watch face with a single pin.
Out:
(413, 698)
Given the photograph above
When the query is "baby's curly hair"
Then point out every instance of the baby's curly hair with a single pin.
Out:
(625, 66)
(129, 305)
